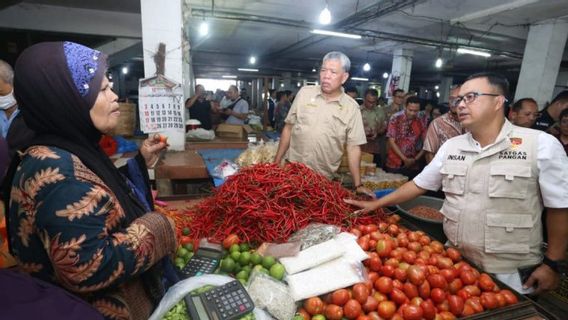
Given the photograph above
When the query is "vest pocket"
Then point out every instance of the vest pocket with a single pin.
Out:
(509, 181)
(507, 232)
(453, 178)
(451, 222)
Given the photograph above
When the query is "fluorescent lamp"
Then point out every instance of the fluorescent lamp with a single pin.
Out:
(359, 79)
(228, 76)
(325, 16)
(124, 70)
(203, 29)
(248, 69)
(313, 69)
(474, 52)
(336, 34)
(282, 85)
(366, 67)
(252, 60)
(439, 63)
(385, 75)
(298, 84)
(436, 87)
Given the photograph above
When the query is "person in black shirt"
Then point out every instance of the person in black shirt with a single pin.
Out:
(550, 115)
(200, 108)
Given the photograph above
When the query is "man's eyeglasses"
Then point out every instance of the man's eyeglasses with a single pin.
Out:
(471, 96)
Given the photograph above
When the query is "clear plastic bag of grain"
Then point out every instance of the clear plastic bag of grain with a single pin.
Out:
(271, 295)
(314, 233)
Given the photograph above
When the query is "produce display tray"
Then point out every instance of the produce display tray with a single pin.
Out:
(524, 309)
(432, 227)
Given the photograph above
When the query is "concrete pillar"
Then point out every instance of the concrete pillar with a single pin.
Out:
(444, 90)
(541, 61)
(401, 66)
(162, 22)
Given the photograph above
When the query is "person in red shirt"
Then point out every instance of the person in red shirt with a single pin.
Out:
(405, 135)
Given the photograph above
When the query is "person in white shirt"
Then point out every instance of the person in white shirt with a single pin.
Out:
(237, 111)
(497, 179)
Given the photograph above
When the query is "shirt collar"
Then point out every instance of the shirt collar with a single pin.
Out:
(342, 99)
(502, 141)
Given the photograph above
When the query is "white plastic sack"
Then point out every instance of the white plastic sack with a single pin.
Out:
(313, 256)
(200, 134)
(352, 250)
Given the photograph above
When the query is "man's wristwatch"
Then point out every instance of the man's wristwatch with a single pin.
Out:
(557, 266)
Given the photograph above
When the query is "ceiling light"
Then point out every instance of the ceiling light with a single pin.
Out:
(474, 52)
(336, 34)
(426, 91)
(359, 79)
(437, 94)
(436, 87)
(203, 29)
(366, 67)
(317, 82)
(228, 76)
(325, 16)
(125, 70)
(248, 69)
(439, 63)
(314, 70)
(252, 60)
(282, 85)
(298, 84)
(385, 75)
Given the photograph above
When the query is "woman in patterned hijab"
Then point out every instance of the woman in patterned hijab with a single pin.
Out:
(74, 218)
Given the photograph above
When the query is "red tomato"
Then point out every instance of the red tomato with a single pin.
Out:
(381, 296)
(416, 275)
(364, 317)
(387, 271)
(398, 296)
(425, 255)
(429, 311)
(446, 315)
(372, 244)
(393, 229)
(231, 240)
(438, 295)
(373, 276)
(510, 297)
(363, 242)
(333, 312)
(361, 293)
(437, 281)
(364, 229)
(411, 312)
(489, 301)
(472, 290)
(437, 246)
(444, 263)
(352, 309)
(444, 306)
(376, 235)
(384, 247)
(383, 226)
(397, 284)
(400, 274)
(415, 246)
(463, 294)
(467, 310)
(304, 314)
(456, 305)
(455, 286)
(340, 297)
(384, 285)
(416, 301)
(370, 305)
(486, 283)
(372, 227)
(163, 138)
(468, 277)
(185, 240)
(409, 256)
(356, 232)
(450, 274)
(386, 309)
(313, 305)
(475, 304)
(410, 290)
(454, 254)
(424, 290)
(500, 300)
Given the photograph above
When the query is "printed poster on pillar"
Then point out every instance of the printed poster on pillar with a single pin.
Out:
(160, 104)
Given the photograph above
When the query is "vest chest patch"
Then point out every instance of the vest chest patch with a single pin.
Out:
(513, 155)
(456, 157)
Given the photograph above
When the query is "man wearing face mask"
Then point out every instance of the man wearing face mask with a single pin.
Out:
(12, 125)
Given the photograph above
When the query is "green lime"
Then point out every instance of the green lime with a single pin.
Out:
(227, 265)
(255, 258)
(244, 259)
(179, 261)
(298, 317)
(188, 256)
(247, 268)
(235, 248)
(185, 231)
(182, 252)
(243, 282)
(235, 255)
(277, 271)
(244, 247)
(242, 275)
(237, 268)
(188, 246)
(268, 261)
(318, 317)
(258, 267)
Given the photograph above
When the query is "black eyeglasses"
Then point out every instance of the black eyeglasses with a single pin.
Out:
(471, 96)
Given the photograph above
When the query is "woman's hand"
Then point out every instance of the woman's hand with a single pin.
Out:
(151, 148)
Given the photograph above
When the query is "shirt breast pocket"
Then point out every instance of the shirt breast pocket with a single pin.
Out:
(453, 178)
(509, 181)
(308, 115)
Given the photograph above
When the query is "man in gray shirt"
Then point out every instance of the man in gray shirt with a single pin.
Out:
(237, 111)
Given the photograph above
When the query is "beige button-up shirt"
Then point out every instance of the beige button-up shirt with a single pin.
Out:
(322, 128)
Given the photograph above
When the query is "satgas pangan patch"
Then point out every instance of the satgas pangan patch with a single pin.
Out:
(513, 155)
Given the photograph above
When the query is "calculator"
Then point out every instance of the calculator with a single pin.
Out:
(204, 261)
(227, 302)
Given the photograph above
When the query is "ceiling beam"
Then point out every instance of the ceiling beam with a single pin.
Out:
(8, 3)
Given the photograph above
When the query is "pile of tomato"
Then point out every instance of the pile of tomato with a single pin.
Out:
(410, 277)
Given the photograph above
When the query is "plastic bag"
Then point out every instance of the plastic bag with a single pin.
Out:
(313, 256)
(314, 233)
(124, 145)
(182, 288)
(200, 134)
(352, 250)
(333, 275)
(271, 295)
(225, 169)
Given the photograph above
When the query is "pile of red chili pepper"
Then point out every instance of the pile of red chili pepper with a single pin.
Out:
(266, 202)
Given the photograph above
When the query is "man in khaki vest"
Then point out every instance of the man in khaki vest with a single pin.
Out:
(497, 178)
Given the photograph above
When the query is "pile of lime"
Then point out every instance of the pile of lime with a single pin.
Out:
(241, 261)
(183, 254)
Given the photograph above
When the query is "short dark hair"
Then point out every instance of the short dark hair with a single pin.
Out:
(351, 89)
(372, 92)
(496, 80)
(562, 96)
(279, 95)
(271, 91)
(412, 99)
(563, 114)
(397, 91)
(517, 106)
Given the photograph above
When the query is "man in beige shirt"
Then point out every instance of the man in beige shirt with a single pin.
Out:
(322, 120)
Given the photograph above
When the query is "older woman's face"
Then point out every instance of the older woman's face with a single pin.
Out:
(104, 112)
